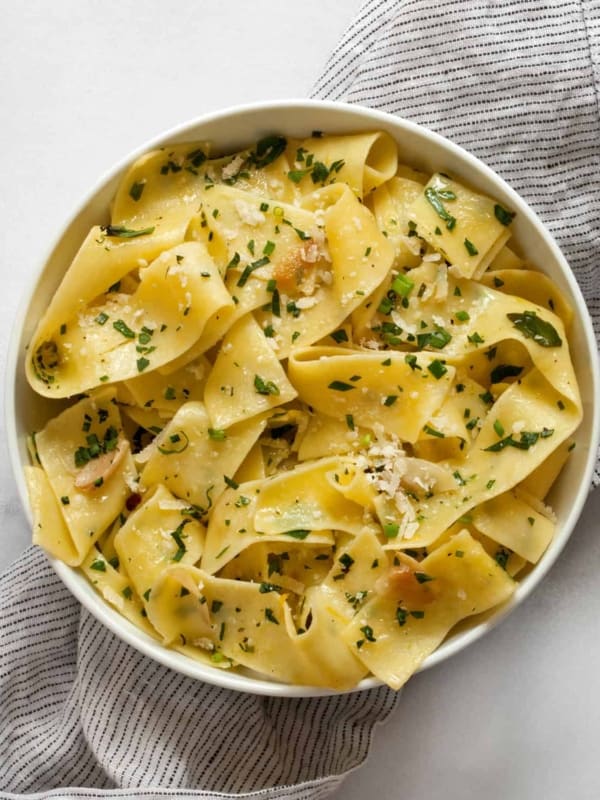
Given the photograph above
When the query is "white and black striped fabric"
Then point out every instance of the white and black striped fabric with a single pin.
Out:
(83, 715)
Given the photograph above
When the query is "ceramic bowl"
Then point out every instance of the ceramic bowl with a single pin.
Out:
(232, 129)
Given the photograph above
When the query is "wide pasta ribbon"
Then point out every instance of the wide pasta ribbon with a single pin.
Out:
(120, 335)
(83, 479)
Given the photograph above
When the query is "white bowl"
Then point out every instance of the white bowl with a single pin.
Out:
(230, 130)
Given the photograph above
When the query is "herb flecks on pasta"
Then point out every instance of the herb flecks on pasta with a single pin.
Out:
(315, 405)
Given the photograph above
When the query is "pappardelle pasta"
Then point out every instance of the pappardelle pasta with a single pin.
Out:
(315, 404)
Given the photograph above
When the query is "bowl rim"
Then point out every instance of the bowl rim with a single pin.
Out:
(75, 581)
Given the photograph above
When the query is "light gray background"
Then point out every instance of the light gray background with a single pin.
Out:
(82, 82)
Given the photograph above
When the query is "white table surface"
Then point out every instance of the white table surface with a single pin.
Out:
(516, 716)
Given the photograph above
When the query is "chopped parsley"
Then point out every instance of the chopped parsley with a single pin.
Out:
(339, 336)
(346, 561)
(434, 197)
(340, 386)
(423, 577)
(178, 536)
(265, 588)
(95, 448)
(501, 557)
(299, 534)
(536, 328)
(265, 387)
(470, 248)
(526, 440)
(249, 269)
(502, 371)
(235, 260)
(401, 616)
(125, 233)
(136, 190)
(124, 329)
(437, 369)
(475, 338)
(502, 215)
(367, 632)
(356, 599)
(433, 432)
(267, 150)
(411, 360)
(438, 338)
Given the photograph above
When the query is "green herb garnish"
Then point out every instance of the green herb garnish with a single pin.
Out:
(437, 339)
(470, 248)
(175, 443)
(136, 189)
(299, 534)
(340, 386)
(391, 529)
(502, 371)
(526, 440)
(534, 327)
(367, 632)
(437, 369)
(502, 215)
(267, 150)
(265, 387)
(434, 198)
(177, 535)
(122, 327)
(423, 577)
(125, 233)
(339, 336)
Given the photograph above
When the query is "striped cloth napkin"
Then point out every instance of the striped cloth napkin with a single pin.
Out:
(84, 715)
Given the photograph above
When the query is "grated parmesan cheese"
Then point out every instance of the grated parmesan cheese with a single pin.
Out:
(232, 169)
(306, 302)
(248, 214)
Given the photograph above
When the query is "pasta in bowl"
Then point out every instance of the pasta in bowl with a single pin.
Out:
(303, 405)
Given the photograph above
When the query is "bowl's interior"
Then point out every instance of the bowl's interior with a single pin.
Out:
(230, 130)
